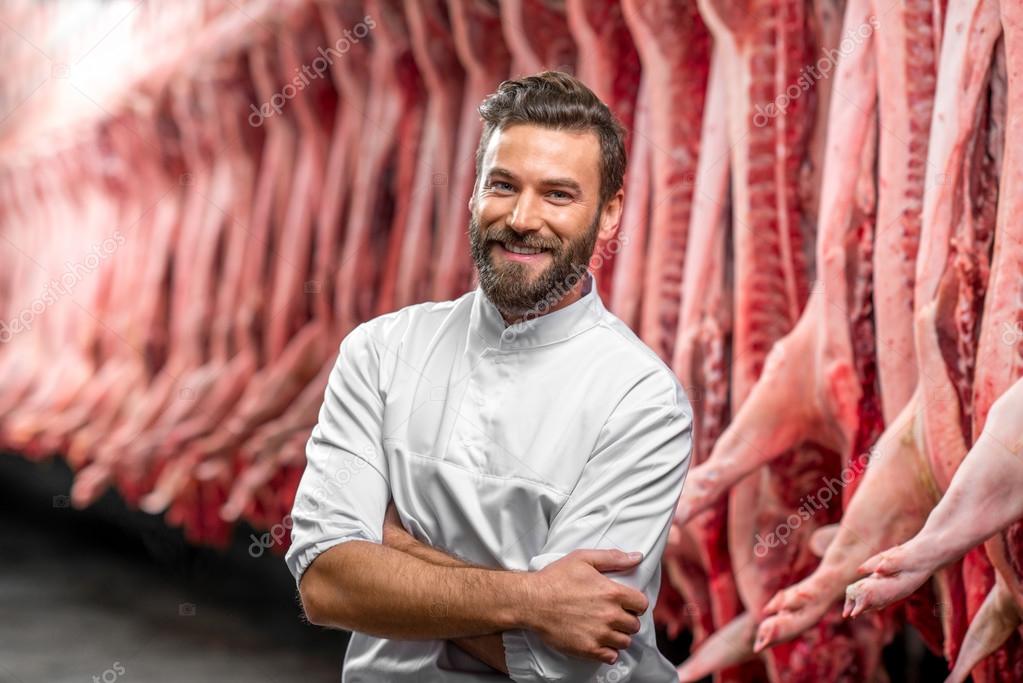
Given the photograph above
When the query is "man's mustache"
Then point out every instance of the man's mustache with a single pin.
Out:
(508, 236)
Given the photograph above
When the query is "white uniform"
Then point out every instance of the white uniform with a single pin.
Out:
(506, 446)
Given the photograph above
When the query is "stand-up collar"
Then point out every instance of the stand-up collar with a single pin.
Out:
(487, 327)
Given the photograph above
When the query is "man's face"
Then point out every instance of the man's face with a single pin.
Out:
(536, 214)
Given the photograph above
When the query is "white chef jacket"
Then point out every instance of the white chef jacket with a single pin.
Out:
(508, 446)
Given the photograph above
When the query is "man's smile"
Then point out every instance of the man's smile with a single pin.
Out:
(520, 253)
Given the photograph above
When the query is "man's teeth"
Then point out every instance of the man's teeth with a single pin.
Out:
(521, 250)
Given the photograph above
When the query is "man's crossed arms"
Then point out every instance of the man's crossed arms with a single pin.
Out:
(404, 589)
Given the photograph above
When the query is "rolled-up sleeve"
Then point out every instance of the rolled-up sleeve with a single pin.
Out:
(344, 490)
(625, 499)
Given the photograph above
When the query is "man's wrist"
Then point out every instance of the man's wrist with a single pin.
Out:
(521, 588)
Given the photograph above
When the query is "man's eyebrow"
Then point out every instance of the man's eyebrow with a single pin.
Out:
(562, 182)
(497, 170)
(549, 182)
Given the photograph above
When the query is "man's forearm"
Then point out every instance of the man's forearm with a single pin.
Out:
(489, 649)
(407, 543)
(381, 591)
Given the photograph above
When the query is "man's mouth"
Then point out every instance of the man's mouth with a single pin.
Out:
(518, 252)
(515, 249)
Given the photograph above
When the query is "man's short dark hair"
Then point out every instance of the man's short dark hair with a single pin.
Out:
(557, 100)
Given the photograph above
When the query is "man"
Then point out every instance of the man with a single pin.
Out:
(531, 444)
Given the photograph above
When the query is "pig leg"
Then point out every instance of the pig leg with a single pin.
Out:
(884, 510)
(730, 645)
(981, 500)
(992, 626)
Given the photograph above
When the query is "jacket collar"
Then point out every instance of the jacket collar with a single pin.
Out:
(487, 328)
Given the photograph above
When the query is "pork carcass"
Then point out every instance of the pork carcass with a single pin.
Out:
(609, 65)
(485, 59)
(536, 32)
(902, 482)
(838, 305)
(971, 509)
(674, 48)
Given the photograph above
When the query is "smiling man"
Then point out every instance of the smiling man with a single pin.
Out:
(489, 488)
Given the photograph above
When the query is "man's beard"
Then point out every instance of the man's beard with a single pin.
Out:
(508, 285)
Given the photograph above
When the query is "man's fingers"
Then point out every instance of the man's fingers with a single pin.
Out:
(634, 601)
(610, 560)
(607, 655)
(627, 624)
(617, 640)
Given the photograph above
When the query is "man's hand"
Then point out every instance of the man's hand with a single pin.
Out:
(581, 612)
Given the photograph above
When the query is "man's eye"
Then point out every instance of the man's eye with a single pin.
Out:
(501, 185)
(561, 195)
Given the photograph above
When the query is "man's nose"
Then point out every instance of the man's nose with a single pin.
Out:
(526, 215)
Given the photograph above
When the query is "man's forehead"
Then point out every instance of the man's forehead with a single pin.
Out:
(536, 149)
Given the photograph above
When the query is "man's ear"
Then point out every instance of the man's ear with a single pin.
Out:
(611, 215)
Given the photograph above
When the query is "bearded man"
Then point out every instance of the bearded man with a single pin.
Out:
(491, 482)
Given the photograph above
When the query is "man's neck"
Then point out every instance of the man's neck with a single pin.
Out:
(578, 291)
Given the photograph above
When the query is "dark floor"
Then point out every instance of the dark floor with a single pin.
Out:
(107, 593)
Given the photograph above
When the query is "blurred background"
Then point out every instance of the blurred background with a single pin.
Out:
(199, 199)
